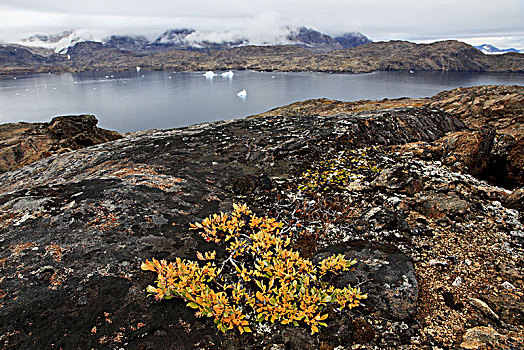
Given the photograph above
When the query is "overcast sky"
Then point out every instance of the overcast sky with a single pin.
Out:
(499, 22)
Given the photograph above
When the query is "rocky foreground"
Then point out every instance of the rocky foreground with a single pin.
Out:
(24, 143)
(406, 187)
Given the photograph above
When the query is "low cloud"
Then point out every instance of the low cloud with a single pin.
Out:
(231, 19)
(265, 28)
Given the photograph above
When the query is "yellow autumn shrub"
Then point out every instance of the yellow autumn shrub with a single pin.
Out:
(261, 278)
(337, 173)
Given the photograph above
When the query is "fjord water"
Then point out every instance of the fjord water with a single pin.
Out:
(131, 101)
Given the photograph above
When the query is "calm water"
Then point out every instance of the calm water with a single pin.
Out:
(131, 101)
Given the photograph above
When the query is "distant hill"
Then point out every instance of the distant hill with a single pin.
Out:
(490, 49)
(126, 54)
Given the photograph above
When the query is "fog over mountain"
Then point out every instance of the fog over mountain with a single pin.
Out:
(473, 21)
(190, 39)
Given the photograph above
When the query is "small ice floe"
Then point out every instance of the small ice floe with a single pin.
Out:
(209, 74)
(138, 69)
(107, 76)
(411, 72)
(14, 78)
(229, 74)
(242, 93)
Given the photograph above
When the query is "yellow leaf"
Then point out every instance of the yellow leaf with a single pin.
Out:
(147, 266)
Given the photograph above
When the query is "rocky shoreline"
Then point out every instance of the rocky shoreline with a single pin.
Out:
(439, 249)
(446, 55)
(24, 143)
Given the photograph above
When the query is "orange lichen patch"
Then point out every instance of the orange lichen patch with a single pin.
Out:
(6, 219)
(104, 222)
(146, 176)
(104, 340)
(55, 280)
(138, 326)
(16, 249)
(117, 338)
(56, 252)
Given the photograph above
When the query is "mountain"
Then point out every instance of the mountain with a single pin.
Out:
(173, 37)
(352, 39)
(490, 49)
(376, 56)
(128, 43)
(313, 40)
(190, 39)
(59, 43)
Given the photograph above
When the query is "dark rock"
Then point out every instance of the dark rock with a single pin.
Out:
(398, 179)
(443, 206)
(386, 275)
(298, 338)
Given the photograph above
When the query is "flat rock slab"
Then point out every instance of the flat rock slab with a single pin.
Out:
(75, 228)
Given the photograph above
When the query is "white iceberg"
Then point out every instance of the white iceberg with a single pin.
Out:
(229, 74)
(138, 69)
(242, 93)
(209, 74)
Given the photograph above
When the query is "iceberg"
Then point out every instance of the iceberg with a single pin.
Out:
(242, 93)
(229, 74)
(209, 74)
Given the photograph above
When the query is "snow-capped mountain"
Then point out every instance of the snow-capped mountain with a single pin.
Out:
(492, 50)
(174, 37)
(59, 42)
(190, 39)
